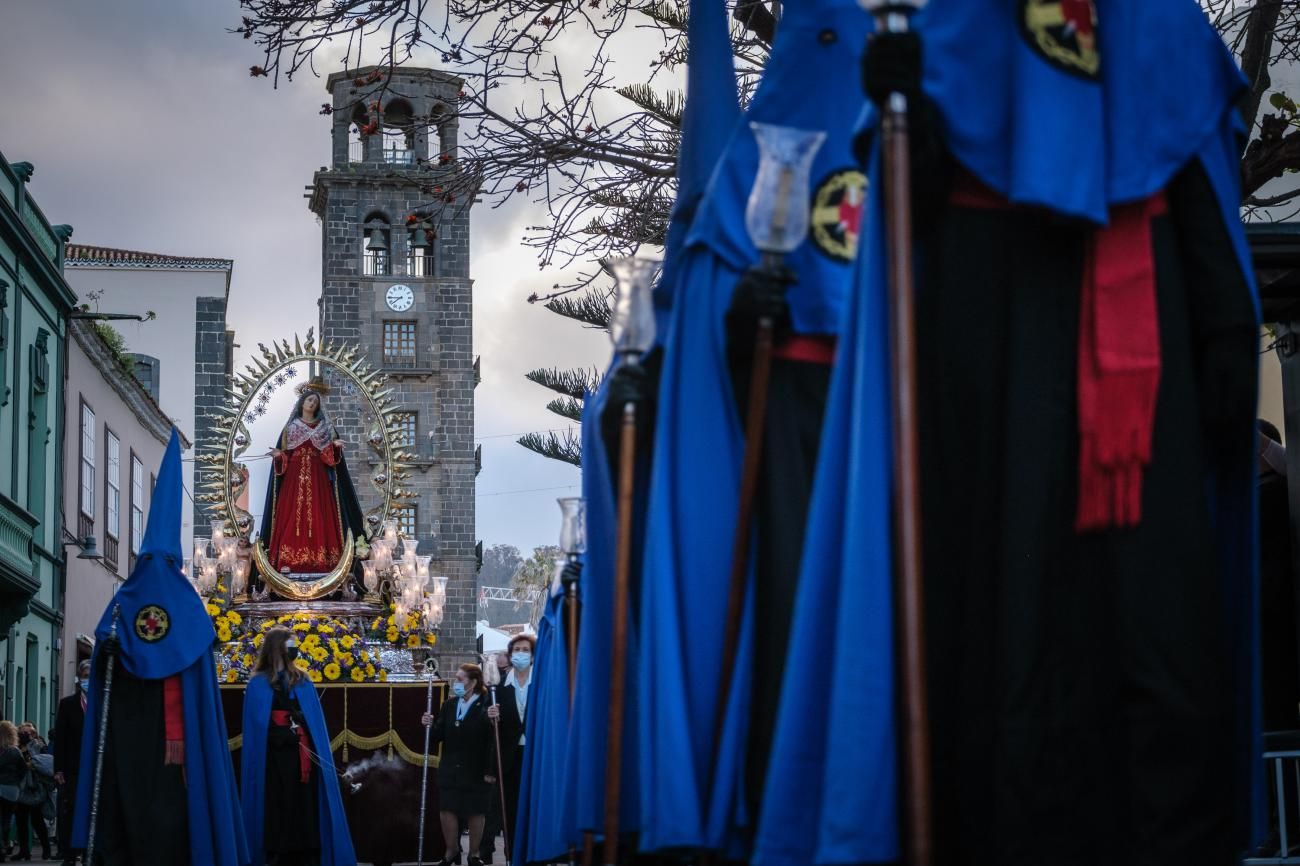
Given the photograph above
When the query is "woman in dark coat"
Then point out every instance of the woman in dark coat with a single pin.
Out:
(467, 768)
(13, 766)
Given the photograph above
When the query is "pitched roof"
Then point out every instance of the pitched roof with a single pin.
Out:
(80, 255)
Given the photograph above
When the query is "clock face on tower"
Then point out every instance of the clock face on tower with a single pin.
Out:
(399, 298)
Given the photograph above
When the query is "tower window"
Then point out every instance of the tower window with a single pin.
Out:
(405, 518)
(399, 344)
(376, 246)
(356, 144)
(404, 423)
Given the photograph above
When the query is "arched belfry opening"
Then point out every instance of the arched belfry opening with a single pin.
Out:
(399, 131)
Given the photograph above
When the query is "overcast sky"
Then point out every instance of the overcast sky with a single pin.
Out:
(148, 133)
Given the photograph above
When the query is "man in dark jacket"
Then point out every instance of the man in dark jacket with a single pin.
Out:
(68, 723)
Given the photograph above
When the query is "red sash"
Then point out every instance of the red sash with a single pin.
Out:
(1118, 357)
(280, 718)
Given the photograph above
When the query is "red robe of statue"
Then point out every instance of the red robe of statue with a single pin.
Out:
(306, 534)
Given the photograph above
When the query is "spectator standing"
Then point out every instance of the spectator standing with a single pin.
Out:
(13, 769)
(68, 724)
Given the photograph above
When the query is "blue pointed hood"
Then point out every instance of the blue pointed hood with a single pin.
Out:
(161, 622)
(162, 535)
(709, 116)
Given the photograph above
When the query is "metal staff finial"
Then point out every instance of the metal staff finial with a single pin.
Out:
(110, 647)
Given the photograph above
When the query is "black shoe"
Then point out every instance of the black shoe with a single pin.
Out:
(475, 861)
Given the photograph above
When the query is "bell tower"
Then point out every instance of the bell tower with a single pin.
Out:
(395, 282)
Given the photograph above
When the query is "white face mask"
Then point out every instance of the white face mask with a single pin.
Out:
(521, 661)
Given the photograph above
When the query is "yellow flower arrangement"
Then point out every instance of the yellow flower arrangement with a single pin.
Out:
(234, 617)
(213, 610)
(431, 638)
(391, 634)
(383, 676)
(232, 676)
(329, 648)
(413, 640)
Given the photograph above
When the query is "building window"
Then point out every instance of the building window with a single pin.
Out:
(405, 518)
(137, 506)
(86, 497)
(147, 373)
(399, 344)
(404, 424)
(112, 496)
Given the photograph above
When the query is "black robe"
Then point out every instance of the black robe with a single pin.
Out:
(133, 763)
(292, 820)
(1080, 692)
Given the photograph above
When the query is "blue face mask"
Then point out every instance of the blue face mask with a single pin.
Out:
(85, 685)
(459, 689)
(521, 660)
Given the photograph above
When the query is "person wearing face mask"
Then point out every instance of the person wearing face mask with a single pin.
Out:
(467, 768)
(510, 711)
(68, 723)
(293, 811)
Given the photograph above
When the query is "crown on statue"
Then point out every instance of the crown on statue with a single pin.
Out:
(316, 383)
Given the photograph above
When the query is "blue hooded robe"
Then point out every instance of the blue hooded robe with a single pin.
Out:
(1075, 145)
(336, 840)
(539, 831)
(691, 787)
(710, 113)
(163, 631)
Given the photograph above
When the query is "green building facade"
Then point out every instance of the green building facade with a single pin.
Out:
(35, 303)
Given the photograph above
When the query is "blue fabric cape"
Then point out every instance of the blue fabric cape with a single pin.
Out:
(710, 113)
(1015, 121)
(336, 840)
(588, 744)
(843, 810)
(216, 830)
(698, 443)
(539, 831)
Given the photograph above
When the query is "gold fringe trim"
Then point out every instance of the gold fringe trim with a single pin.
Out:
(388, 740)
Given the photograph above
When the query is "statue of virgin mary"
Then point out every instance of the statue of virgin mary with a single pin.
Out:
(310, 501)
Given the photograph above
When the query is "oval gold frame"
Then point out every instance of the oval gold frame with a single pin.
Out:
(225, 478)
(305, 590)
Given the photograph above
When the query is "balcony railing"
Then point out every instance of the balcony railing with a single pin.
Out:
(356, 151)
(399, 156)
(110, 551)
(85, 526)
(376, 265)
(400, 360)
(419, 266)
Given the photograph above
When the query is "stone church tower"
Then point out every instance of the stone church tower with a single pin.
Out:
(400, 289)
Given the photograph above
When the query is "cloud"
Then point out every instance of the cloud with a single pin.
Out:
(148, 133)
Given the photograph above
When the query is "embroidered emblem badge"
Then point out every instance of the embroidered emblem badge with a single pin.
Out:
(1064, 33)
(152, 623)
(836, 217)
